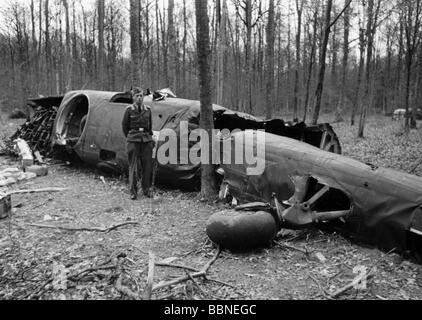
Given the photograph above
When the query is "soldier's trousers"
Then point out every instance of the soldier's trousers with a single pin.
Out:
(140, 165)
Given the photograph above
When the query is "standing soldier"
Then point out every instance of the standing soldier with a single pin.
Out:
(137, 127)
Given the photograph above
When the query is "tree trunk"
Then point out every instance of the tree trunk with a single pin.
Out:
(342, 101)
(362, 45)
(135, 42)
(413, 14)
(311, 62)
(41, 74)
(322, 62)
(148, 45)
(34, 48)
(185, 40)
(203, 46)
(289, 62)
(409, 62)
(157, 36)
(370, 31)
(165, 47)
(172, 46)
(76, 76)
(270, 61)
(299, 9)
(68, 58)
(48, 63)
(101, 53)
(248, 55)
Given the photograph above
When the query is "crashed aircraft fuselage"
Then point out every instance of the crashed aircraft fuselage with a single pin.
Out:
(306, 184)
(88, 124)
(378, 206)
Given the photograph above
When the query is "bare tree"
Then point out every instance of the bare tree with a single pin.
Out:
(312, 56)
(299, 11)
(327, 28)
(362, 46)
(135, 41)
(371, 28)
(270, 60)
(101, 53)
(68, 58)
(35, 55)
(248, 54)
(412, 10)
(47, 40)
(206, 122)
(222, 17)
(342, 100)
(172, 45)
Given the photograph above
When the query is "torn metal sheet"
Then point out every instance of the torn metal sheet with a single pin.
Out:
(378, 206)
(37, 131)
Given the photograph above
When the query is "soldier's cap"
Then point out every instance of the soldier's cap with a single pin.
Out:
(137, 90)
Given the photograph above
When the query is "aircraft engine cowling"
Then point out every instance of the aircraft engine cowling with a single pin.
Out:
(240, 229)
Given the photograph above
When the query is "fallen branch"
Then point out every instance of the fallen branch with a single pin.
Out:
(360, 279)
(37, 191)
(412, 171)
(150, 280)
(177, 266)
(286, 246)
(92, 269)
(202, 273)
(204, 292)
(125, 290)
(321, 289)
(40, 291)
(119, 286)
(93, 229)
(222, 283)
(351, 285)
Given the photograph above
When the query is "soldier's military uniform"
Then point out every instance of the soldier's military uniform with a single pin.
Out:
(137, 127)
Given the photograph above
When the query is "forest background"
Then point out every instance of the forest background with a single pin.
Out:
(267, 57)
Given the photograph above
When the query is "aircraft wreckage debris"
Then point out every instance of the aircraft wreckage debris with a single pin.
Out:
(11, 176)
(303, 169)
(37, 132)
(22, 148)
(237, 229)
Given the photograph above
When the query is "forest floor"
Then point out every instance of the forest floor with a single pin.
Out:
(43, 263)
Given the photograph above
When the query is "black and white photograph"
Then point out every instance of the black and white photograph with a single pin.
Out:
(229, 152)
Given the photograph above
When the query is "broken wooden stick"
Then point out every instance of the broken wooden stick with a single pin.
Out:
(177, 266)
(413, 170)
(125, 290)
(37, 191)
(351, 285)
(93, 229)
(187, 268)
(91, 269)
(321, 289)
(361, 278)
(202, 273)
(150, 280)
(118, 284)
(289, 247)
(204, 292)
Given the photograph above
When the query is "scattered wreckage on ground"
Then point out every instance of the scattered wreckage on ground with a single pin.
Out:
(303, 186)
(305, 180)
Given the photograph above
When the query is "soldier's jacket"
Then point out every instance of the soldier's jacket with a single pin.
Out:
(137, 124)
